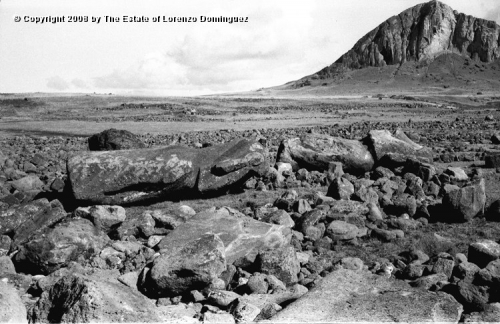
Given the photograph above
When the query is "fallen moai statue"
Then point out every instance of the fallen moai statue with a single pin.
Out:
(130, 176)
(379, 148)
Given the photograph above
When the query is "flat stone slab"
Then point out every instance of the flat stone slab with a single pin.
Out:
(346, 296)
(242, 236)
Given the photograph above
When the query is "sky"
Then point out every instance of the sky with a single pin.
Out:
(282, 40)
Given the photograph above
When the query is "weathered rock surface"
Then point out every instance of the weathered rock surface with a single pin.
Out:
(390, 151)
(53, 248)
(242, 236)
(421, 33)
(465, 203)
(103, 217)
(483, 252)
(282, 263)
(21, 222)
(96, 298)
(121, 177)
(184, 267)
(12, 309)
(114, 139)
(357, 296)
(316, 151)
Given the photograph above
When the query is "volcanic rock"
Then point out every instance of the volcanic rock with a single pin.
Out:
(241, 235)
(78, 298)
(483, 252)
(358, 296)
(340, 188)
(53, 248)
(124, 177)
(390, 151)
(467, 202)
(186, 266)
(316, 151)
(282, 263)
(21, 222)
(114, 139)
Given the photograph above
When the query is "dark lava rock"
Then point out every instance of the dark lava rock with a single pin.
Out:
(114, 139)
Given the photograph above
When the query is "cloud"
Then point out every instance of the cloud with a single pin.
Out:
(58, 83)
(79, 83)
(222, 57)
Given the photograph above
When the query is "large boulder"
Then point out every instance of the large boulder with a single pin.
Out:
(97, 298)
(21, 222)
(347, 296)
(393, 151)
(316, 151)
(465, 203)
(27, 184)
(53, 248)
(282, 263)
(12, 309)
(186, 266)
(483, 252)
(129, 176)
(243, 236)
(114, 139)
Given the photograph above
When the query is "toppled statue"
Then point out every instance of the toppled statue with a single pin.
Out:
(132, 176)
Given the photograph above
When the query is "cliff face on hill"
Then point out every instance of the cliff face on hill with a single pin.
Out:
(422, 33)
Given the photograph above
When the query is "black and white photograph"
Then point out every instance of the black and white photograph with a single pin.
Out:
(264, 161)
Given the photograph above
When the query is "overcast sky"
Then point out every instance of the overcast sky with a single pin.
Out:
(283, 40)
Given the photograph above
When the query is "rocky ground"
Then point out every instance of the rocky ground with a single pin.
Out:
(394, 225)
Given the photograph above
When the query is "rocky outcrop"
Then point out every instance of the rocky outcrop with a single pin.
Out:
(421, 33)
(347, 296)
(114, 139)
(316, 151)
(129, 176)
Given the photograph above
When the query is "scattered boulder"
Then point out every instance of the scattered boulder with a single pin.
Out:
(78, 298)
(316, 151)
(243, 237)
(465, 203)
(21, 222)
(359, 296)
(28, 183)
(340, 231)
(457, 173)
(114, 139)
(53, 248)
(340, 189)
(130, 176)
(390, 151)
(483, 252)
(282, 263)
(186, 266)
(103, 217)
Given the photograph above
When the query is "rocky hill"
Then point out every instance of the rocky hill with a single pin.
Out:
(422, 33)
(412, 40)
